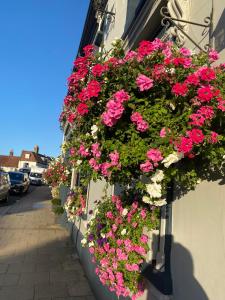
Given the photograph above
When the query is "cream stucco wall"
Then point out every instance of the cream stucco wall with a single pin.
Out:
(198, 250)
(115, 28)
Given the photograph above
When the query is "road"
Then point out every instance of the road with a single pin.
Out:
(37, 258)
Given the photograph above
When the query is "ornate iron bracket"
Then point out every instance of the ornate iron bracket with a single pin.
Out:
(100, 7)
(168, 20)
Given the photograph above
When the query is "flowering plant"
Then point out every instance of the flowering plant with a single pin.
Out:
(57, 173)
(117, 239)
(138, 114)
(75, 205)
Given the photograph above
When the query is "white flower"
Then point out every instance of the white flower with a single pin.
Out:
(87, 134)
(172, 158)
(154, 190)
(160, 202)
(115, 41)
(158, 176)
(124, 212)
(91, 244)
(83, 242)
(147, 200)
(94, 130)
(124, 231)
(172, 106)
(103, 235)
(79, 162)
(95, 212)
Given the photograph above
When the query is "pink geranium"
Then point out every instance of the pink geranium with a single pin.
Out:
(154, 155)
(196, 136)
(146, 167)
(185, 145)
(180, 89)
(144, 83)
(205, 93)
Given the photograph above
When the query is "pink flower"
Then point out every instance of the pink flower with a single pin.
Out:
(130, 55)
(110, 215)
(185, 51)
(206, 73)
(82, 109)
(180, 89)
(95, 150)
(155, 155)
(192, 79)
(119, 242)
(144, 238)
(104, 168)
(93, 88)
(185, 145)
(88, 50)
(72, 151)
(98, 69)
(92, 250)
(132, 267)
(146, 167)
(140, 250)
(114, 156)
(93, 163)
(206, 111)
(205, 93)
(213, 138)
(144, 83)
(71, 118)
(197, 119)
(213, 55)
(196, 136)
(82, 151)
(114, 227)
(121, 96)
(143, 213)
(142, 126)
(145, 48)
(121, 255)
(135, 117)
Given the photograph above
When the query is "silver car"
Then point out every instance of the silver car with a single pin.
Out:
(4, 186)
(35, 178)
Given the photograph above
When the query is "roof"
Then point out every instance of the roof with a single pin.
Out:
(9, 161)
(34, 157)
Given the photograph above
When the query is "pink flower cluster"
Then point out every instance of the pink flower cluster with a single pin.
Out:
(141, 124)
(144, 83)
(115, 108)
(154, 156)
(117, 249)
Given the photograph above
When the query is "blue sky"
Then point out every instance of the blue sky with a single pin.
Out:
(38, 43)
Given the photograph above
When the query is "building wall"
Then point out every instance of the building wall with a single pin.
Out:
(198, 226)
(198, 248)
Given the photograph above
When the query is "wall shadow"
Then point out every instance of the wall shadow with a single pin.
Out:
(175, 277)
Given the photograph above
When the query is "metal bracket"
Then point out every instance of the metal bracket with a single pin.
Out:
(168, 20)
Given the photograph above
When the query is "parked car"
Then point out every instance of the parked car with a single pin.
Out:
(25, 170)
(19, 182)
(35, 178)
(4, 186)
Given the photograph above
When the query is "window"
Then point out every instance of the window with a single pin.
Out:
(27, 155)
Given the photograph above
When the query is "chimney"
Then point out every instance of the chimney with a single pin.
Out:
(11, 153)
(36, 149)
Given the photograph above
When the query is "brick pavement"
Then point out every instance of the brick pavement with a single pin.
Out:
(37, 258)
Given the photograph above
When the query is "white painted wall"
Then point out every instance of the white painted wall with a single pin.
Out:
(198, 252)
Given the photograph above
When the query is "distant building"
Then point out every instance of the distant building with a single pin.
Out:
(32, 160)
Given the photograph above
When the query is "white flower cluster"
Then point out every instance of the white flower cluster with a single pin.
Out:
(172, 158)
(94, 130)
(154, 188)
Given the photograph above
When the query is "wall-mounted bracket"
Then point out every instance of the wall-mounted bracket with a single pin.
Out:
(167, 20)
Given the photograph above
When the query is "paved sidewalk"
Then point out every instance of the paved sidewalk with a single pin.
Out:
(37, 259)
